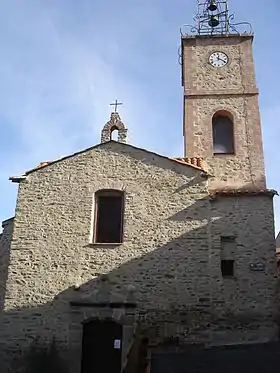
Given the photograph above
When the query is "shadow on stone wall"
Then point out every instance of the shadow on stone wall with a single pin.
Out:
(160, 282)
(5, 241)
(257, 358)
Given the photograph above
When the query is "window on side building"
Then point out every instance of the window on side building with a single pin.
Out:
(228, 254)
(227, 268)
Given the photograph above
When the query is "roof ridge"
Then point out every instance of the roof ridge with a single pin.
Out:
(195, 162)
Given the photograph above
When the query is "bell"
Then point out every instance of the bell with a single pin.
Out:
(212, 6)
(213, 22)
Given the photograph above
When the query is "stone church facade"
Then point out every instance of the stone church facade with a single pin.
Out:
(188, 252)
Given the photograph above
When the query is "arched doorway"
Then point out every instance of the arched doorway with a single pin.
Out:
(102, 346)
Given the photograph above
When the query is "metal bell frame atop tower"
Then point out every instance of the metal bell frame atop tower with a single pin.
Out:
(213, 18)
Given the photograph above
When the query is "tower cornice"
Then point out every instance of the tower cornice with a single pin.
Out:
(215, 37)
(229, 92)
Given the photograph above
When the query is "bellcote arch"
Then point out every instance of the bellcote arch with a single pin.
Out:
(114, 124)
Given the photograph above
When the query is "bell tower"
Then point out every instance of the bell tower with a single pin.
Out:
(221, 110)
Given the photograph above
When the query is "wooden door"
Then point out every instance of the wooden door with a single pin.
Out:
(102, 347)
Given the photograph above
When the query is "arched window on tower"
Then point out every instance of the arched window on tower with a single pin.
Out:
(223, 133)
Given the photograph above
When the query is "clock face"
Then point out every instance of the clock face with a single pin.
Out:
(218, 59)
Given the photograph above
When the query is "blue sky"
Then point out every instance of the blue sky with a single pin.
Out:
(64, 61)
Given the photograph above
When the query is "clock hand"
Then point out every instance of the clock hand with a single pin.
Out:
(220, 59)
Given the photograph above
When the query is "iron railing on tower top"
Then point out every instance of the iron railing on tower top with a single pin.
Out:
(213, 18)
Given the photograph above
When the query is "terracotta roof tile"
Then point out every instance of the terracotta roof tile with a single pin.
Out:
(196, 162)
(17, 179)
(40, 165)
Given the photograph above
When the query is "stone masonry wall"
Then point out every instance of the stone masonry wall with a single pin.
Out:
(251, 295)
(244, 169)
(5, 243)
(233, 89)
(199, 77)
(164, 202)
(165, 239)
(170, 253)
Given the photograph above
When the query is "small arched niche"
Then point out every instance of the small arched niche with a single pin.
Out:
(114, 130)
(223, 132)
